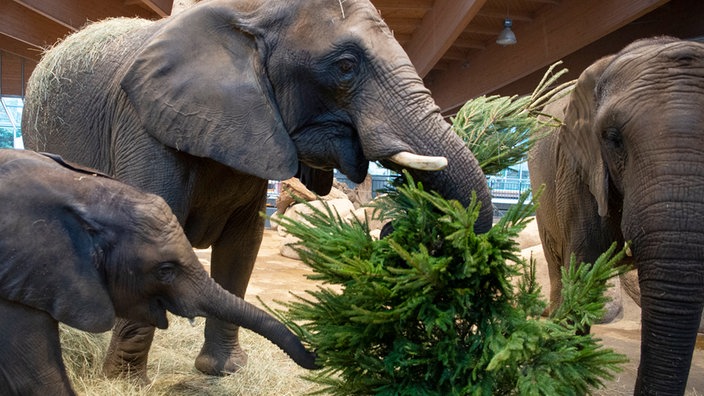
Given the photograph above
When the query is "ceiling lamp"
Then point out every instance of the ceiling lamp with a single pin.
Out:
(506, 37)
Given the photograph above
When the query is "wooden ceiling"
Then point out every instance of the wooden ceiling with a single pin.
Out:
(451, 42)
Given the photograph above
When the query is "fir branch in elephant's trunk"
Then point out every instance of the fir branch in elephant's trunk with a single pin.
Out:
(460, 178)
(216, 302)
(399, 116)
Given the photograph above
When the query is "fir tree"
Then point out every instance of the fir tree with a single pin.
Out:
(431, 310)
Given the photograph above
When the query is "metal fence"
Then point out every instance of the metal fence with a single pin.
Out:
(509, 188)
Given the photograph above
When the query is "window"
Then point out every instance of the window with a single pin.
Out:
(10, 122)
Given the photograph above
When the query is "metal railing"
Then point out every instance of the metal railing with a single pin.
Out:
(509, 188)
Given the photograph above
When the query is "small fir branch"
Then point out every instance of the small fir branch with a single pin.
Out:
(499, 130)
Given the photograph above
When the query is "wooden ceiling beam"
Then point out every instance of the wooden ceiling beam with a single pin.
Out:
(552, 2)
(498, 14)
(19, 48)
(438, 30)
(15, 72)
(553, 35)
(469, 43)
(73, 14)
(27, 26)
(484, 30)
(159, 7)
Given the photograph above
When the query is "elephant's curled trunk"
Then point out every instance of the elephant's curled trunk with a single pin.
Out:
(218, 303)
(460, 178)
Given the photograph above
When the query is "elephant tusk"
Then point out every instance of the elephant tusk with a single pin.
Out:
(420, 162)
(629, 253)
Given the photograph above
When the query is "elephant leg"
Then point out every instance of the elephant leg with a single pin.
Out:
(553, 259)
(232, 261)
(629, 283)
(30, 353)
(128, 351)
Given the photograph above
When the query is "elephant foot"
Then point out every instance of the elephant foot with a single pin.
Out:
(128, 352)
(221, 353)
(215, 360)
(613, 309)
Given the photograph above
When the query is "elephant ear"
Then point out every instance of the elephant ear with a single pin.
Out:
(199, 86)
(47, 256)
(579, 137)
(316, 180)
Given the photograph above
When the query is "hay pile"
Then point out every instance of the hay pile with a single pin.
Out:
(270, 371)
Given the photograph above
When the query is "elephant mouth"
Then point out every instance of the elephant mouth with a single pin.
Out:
(333, 144)
(158, 316)
(330, 144)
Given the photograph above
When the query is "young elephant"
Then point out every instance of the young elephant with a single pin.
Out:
(81, 248)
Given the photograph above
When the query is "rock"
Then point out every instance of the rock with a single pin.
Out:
(363, 192)
(375, 234)
(290, 188)
(335, 193)
(529, 236)
(343, 207)
(285, 248)
(273, 221)
(360, 195)
(366, 214)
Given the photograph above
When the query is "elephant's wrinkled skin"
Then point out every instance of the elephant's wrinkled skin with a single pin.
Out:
(205, 106)
(83, 249)
(628, 165)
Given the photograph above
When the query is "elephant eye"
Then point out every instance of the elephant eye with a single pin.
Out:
(346, 67)
(166, 272)
(614, 137)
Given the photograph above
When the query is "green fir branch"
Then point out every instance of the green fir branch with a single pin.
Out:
(499, 130)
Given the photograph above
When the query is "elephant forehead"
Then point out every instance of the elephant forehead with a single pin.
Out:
(678, 58)
(323, 22)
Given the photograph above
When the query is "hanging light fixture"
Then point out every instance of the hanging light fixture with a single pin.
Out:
(506, 37)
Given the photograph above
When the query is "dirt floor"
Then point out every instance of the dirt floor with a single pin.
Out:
(275, 277)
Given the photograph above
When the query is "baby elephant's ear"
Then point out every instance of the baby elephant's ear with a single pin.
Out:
(48, 263)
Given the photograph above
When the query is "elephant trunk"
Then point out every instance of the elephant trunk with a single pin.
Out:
(668, 335)
(408, 107)
(671, 278)
(461, 177)
(216, 302)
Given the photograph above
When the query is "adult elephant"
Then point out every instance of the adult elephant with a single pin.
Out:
(81, 248)
(205, 106)
(628, 165)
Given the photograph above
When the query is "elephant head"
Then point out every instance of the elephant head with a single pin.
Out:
(85, 248)
(633, 131)
(272, 88)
